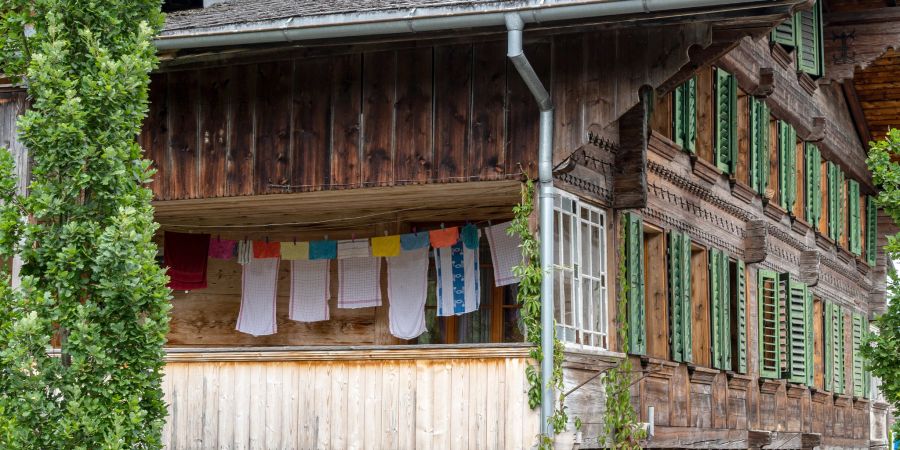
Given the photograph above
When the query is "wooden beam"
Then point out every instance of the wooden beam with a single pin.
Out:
(630, 177)
(690, 437)
(348, 353)
(856, 112)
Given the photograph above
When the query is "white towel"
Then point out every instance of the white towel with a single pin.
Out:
(259, 286)
(244, 252)
(351, 248)
(407, 290)
(505, 253)
(458, 279)
(310, 290)
(360, 282)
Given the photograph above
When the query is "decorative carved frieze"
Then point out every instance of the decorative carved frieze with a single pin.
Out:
(702, 192)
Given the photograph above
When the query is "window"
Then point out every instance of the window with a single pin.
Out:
(834, 348)
(860, 376)
(787, 164)
(634, 273)
(813, 183)
(679, 259)
(739, 316)
(853, 231)
(684, 115)
(726, 121)
(759, 146)
(803, 32)
(798, 330)
(580, 283)
(720, 302)
(769, 325)
(835, 202)
(871, 231)
(656, 304)
(819, 344)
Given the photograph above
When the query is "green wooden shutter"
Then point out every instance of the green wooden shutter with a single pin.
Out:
(813, 183)
(871, 231)
(679, 254)
(810, 339)
(795, 302)
(835, 202)
(809, 40)
(829, 346)
(720, 306)
(769, 317)
(634, 268)
(853, 216)
(787, 168)
(784, 33)
(858, 375)
(741, 316)
(838, 349)
(726, 121)
(759, 146)
(684, 115)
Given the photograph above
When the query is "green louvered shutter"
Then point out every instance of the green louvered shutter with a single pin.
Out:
(871, 231)
(720, 300)
(769, 325)
(759, 146)
(740, 295)
(634, 267)
(810, 339)
(829, 346)
(813, 183)
(835, 202)
(837, 335)
(679, 254)
(684, 115)
(726, 121)
(858, 375)
(809, 40)
(853, 217)
(787, 167)
(784, 33)
(795, 302)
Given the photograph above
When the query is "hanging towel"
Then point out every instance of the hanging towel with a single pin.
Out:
(259, 284)
(505, 253)
(244, 252)
(458, 279)
(310, 290)
(322, 249)
(262, 249)
(221, 248)
(185, 256)
(444, 237)
(353, 248)
(386, 246)
(470, 236)
(360, 285)
(292, 251)
(407, 290)
(412, 241)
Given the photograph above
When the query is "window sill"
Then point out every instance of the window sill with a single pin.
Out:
(770, 386)
(795, 390)
(824, 242)
(774, 211)
(663, 146)
(348, 353)
(807, 83)
(706, 170)
(781, 55)
(820, 396)
(800, 226)
(701, 375)
(738, 381)
(743, 192)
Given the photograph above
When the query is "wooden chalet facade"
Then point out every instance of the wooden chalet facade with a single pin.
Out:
(712, 144)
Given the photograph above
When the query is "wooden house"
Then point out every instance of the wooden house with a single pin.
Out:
(718, 145)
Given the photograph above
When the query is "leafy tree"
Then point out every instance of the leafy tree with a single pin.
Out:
(84, 233)
(882, 350)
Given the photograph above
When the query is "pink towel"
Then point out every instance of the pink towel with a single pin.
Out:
(360, 285)
(310, 290)
(258, 290)
(505, 253)
(407, 289)
(221, 248)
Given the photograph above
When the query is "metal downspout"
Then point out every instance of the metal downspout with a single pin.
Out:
(514, 26)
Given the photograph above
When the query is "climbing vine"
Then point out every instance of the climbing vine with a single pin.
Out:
(621, 428)
(529, 296)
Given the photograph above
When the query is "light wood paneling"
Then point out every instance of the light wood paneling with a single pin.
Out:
(474, 400)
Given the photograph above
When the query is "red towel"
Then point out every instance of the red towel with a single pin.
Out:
(185, 257)
(263, 250)
(444, 237)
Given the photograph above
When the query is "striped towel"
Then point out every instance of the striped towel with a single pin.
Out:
(353, 248)
(360, 282)
(505, 253)
(259, 286)
(458, 279)
(244, 252)
(310, 290)
(407, 290)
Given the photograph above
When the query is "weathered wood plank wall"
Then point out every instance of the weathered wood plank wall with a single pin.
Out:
(474, 401)
(442, 113)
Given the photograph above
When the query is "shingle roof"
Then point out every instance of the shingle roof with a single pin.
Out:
(239, 12)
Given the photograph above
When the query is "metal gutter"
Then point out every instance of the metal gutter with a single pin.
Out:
(424, 19)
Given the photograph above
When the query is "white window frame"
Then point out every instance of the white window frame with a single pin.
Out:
(580, 324)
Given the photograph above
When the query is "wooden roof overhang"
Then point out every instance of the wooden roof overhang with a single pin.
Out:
(340, 212)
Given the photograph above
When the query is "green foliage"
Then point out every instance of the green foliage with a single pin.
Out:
(621, 427)
(89, 274)
(529, 296)
(882, 350)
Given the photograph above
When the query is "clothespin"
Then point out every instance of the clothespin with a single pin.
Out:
(326, 237)
(414, 230)
(267, 239)
(295, 240)
(385, 232)
(352, 236)
(245, 238)
(489, 223)
(442, 225)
